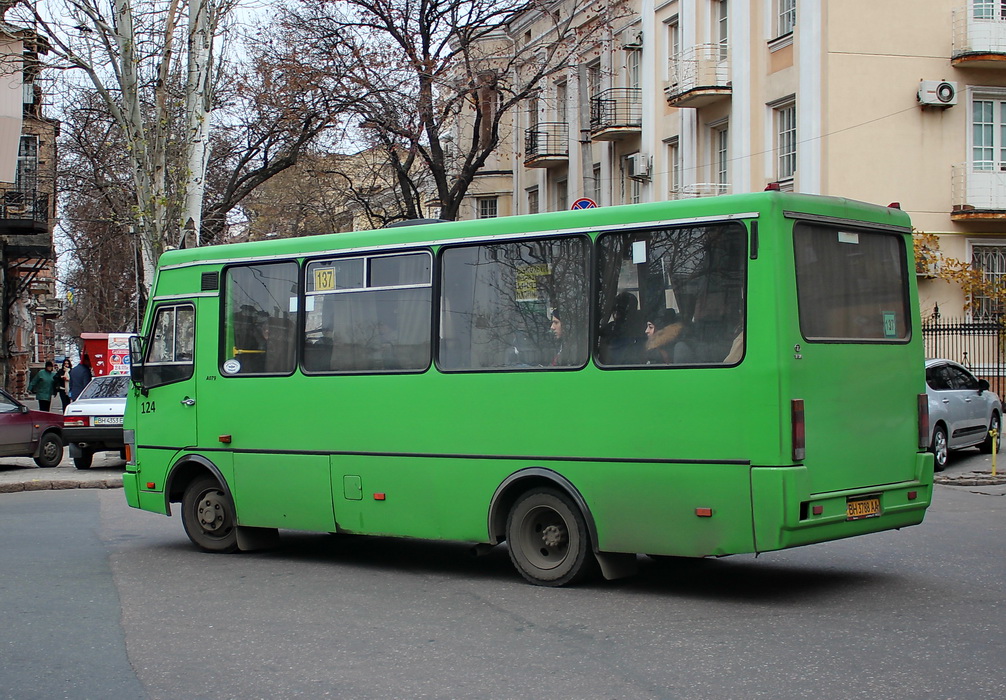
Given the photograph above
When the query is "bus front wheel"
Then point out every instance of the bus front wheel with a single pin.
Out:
(208, 516)
(547, 538)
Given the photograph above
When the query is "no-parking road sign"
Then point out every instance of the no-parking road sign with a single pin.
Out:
(584, 203)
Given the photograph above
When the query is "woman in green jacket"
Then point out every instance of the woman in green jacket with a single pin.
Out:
(43, 385)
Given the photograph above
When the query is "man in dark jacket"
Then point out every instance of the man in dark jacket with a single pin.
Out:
(80, 376)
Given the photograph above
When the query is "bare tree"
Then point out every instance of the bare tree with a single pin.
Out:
(410, 73)
(152, 62)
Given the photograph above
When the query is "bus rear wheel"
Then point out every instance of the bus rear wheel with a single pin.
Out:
(208, 516)
(548, 540)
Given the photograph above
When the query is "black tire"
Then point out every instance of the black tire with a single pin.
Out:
(50, 451)
(940, 448)
(548, 539)
(85, 459)
(995, 423)
(208, 516)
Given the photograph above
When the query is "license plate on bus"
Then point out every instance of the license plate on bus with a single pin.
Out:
(108, 420)
(859, 508)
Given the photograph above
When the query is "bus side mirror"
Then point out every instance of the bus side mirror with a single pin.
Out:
(136, 363)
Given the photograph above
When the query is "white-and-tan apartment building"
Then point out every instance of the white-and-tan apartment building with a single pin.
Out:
(882, 101)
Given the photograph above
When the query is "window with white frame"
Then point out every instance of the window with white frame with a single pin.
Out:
(488, 207)
(561, 194)
(721, 144)
(593, 78)
(532, 200)
(988, 9)
(673, 44)
(633, 77)
(596, 176)
(787, 16)
(990, 260)
(988, 127)
(785, 133)
(674, 168)
(722, 33)
(562, 102)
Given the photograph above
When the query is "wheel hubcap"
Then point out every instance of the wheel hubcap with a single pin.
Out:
(210, 512)
(545, 538)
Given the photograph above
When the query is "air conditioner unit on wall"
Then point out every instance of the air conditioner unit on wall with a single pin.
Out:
(937, 93)
(632, 38)
(637, 166)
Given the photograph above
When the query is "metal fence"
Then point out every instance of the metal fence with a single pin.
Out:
(978, 345)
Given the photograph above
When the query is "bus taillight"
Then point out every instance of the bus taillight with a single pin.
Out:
(923, 422)
(799, 430)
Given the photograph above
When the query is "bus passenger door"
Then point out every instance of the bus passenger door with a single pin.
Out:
(167, 413)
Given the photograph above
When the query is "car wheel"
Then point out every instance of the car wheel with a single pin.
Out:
(208, 516)
(50, 450)
(940, 448)
(995, 424)
(85, 459)
(548, 540)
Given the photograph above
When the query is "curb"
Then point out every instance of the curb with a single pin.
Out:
(58, 485)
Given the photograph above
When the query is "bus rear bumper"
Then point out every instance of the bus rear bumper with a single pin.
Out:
(783, 521)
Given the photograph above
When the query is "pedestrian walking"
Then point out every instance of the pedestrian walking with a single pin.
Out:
(80, 376)
(43, 385)
(63, 382)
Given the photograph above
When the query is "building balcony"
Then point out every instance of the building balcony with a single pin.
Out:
(698, 77)
(23, 211)
(546, 145)
(978, 194)
(979, 42)
(616, 114)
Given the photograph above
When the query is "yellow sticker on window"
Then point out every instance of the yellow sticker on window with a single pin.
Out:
(324, 279)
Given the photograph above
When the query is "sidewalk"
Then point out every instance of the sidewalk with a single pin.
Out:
(21, 473)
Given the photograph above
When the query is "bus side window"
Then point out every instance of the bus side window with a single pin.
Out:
(500, 301)
(169, 358)
(689, 283)
(260, 315)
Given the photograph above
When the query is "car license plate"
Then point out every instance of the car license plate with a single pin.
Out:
(856, 509)
(108, 420)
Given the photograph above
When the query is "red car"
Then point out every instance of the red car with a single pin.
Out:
(28, 433)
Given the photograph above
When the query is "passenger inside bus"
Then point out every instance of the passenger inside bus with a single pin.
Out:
(662, 331)
(622, 339)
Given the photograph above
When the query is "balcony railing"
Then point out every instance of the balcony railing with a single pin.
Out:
(698, 76)
(29, 206)
(615, 114)
(979, 41)
(546, 144)
(978, 193)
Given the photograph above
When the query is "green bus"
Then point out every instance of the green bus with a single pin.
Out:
(692, 378)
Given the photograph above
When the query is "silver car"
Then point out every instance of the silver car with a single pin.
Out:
(93, 423)
(963, 411)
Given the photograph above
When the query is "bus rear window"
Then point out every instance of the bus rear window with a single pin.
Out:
(852, 284)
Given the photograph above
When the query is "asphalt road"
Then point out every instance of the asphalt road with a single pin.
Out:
(101, 601)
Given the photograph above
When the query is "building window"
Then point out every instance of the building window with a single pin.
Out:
(722, 27)
(561, 194)
(988, 126)
(487, 207)
(593, 79)
(635, 191)
(674, 168)
(633, 79)
(990, 260)
(673, 47)
(532, 200)
(596, 175)
(562, 102)
(721, 144)
(785, 125)
(989, 9)
(26, 177)
(787, 16)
